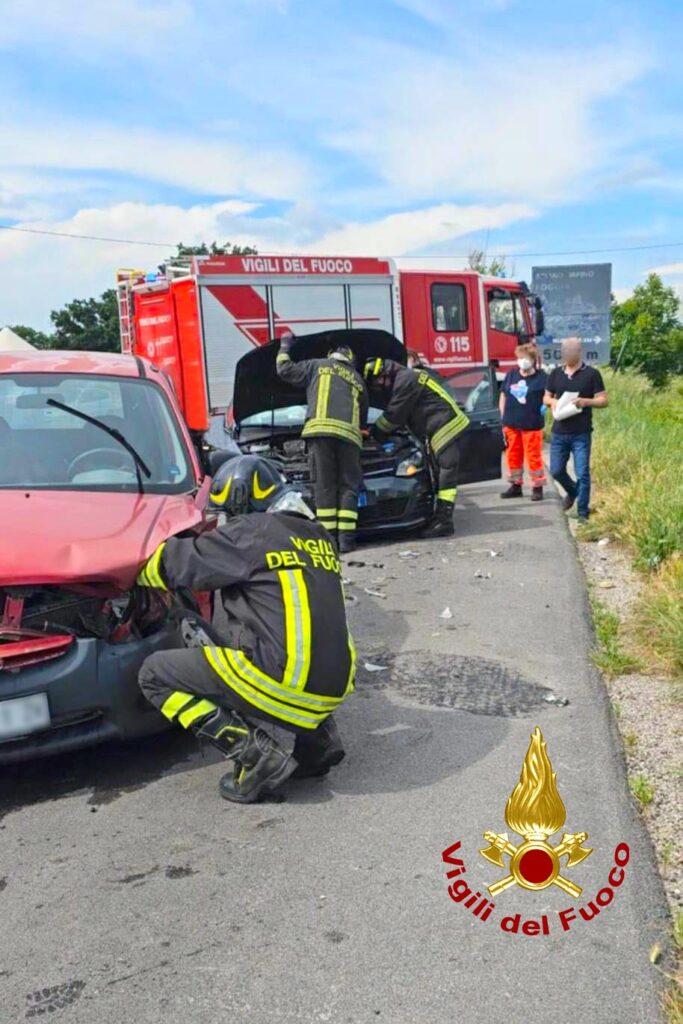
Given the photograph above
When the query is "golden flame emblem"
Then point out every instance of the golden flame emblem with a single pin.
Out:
(535, 811)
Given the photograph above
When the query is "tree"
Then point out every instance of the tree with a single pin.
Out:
(647, 332)
(184, 253)
(495, 267)
(36, 338)
(91, 324)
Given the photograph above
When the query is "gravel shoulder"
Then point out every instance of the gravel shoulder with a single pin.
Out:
(650, 721)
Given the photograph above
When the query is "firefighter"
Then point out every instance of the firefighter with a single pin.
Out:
(265, 699)
(415, 398)
(337, 409)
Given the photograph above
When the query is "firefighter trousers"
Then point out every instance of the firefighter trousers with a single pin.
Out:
(184, 688)
(337, 475)
(446, 465)
(525, 445)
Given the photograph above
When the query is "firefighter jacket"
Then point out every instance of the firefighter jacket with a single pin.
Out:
(419, 401)
(290, 653)
(336, 396)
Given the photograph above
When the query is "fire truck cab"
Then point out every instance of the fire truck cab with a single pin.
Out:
(195, 322)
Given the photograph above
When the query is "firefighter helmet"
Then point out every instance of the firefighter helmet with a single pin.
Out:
(250, 483)
(247, 483)
(378, 374)
(344, 353)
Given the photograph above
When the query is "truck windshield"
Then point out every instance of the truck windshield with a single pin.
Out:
(46, 447)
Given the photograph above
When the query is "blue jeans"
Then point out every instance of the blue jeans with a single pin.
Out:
(578, 445)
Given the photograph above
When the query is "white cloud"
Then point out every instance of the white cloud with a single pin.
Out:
(40, 273)
(133, 22)
(668, 270)
(485, 125)
(413, 231)
(202, 163)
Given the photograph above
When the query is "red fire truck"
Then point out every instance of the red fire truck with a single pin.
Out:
(195, 322)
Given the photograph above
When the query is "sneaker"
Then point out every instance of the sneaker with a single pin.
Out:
(537, 494)
(568, 501)
(513, 491)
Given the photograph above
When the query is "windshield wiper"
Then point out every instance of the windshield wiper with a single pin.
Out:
(140, 465)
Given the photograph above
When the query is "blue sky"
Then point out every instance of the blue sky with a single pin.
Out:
(391, 127)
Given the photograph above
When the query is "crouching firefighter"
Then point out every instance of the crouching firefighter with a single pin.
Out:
(266, 698)
(416, 399)
(337, 409)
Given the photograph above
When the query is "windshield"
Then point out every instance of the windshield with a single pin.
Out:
(46, 447)
(292, 416)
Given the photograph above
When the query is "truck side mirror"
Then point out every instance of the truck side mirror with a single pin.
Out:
(539, 316)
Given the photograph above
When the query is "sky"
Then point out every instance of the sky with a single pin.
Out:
(407, 128)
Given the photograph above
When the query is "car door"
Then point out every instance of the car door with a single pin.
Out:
(475, 389)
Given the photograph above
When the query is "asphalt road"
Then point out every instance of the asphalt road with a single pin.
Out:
(130, 892)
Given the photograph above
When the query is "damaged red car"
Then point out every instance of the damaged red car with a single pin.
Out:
(96, 469)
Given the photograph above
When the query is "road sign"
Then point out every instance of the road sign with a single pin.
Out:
(576, 303)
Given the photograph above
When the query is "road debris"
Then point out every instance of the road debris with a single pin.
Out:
(607, 584)
(446, 614)
(604, 541)
(479, 575)
(351, 598)
(409, 554)
(369, 667)
(560, 702)
(375, 593)
(360, 565)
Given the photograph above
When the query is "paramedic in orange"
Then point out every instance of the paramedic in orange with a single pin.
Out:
(521, 409)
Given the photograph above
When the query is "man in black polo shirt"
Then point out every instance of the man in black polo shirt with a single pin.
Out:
(572, 436)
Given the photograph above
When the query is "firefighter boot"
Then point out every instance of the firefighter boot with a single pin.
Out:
(318, 751)
(258, 769)
(225, 730)
(513, 491)
(347, 541)
(537, 494)
(442, 523)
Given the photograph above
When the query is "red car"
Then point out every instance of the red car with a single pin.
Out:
(96, 469)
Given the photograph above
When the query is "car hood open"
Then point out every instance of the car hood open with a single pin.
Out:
(258, 387)
(62, 537)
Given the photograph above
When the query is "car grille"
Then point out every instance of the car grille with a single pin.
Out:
(384, 511)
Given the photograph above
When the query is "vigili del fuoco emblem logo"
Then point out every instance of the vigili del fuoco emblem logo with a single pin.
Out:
(535, 811)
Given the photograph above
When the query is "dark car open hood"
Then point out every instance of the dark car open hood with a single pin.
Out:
(258, 387)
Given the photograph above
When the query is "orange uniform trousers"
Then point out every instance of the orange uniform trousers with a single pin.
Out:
(525, 445)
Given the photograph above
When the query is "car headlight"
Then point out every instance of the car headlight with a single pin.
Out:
(412, 465)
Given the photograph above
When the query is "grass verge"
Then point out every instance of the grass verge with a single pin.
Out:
(637, 467)
(610, 656)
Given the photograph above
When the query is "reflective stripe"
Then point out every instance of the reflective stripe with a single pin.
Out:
(447, 433)
(333, 428)
(283, 357)
(150, 574)
(348, 513)
(373, 369)
(201, 710)
(297, 628)
(324, 381)
(307, 720)
(323, 513)
(174, 703)
(346, 526)
(222, 496)
(448, 494)
(355, 414)
(350, 683)
(385, 425)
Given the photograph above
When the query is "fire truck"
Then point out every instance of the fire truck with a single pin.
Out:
(196, 321)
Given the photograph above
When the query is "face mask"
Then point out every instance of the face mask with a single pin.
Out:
(525, 364)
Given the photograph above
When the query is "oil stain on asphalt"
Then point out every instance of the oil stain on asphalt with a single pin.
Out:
(476, 685)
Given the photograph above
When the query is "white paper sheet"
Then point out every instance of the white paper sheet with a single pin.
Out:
(564, 407)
